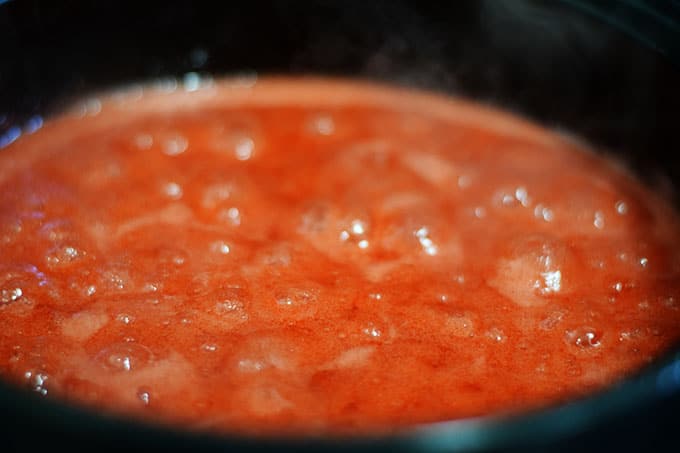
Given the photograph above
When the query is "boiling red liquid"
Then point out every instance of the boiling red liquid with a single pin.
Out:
(309, 256)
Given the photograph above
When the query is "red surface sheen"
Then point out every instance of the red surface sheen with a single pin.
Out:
(310, 256)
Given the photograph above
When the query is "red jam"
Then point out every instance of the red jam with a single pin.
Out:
(313, 256)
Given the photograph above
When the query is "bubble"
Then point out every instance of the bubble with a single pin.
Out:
(464, 181)
(8, 295)
(625, 336)
(229, 306)
(533, 272)
(143, 141)
(12, 231)
(251, 366)
(173, 190)
(495, 334)
(10, 136)
(150, 287)
(242, 80)
(296, 297)
(191, 81)
(284, 300)
(244, 148)
(522, 196)
(125, 318)
(115, 279)
(544, 213)
(172, 257)
(670, 302)
(584, 338)
(291, 303)
(231, 216)
(209, 347)
(358, 227)
(423, 236)
(16, 285)
(33, 124)
(598, 220)
(480, 212)
(231, 311)
(621, 207)
(220, 247)
(121, 362)
(90, 107)
(631, 335)
(144, 395)
(58, 230)
(165, 84)
(323, 125)
(505, 199)
(552, 282)
(37, 381)
(124, 357)
(175, 145)
(356, 233)
(63, 256)
(372, 331)
(216, 194)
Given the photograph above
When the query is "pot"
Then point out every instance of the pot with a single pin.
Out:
(604, 71)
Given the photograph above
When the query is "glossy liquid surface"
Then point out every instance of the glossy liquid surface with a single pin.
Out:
(309, 256)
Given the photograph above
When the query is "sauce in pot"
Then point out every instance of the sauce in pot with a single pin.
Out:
(317, 256)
